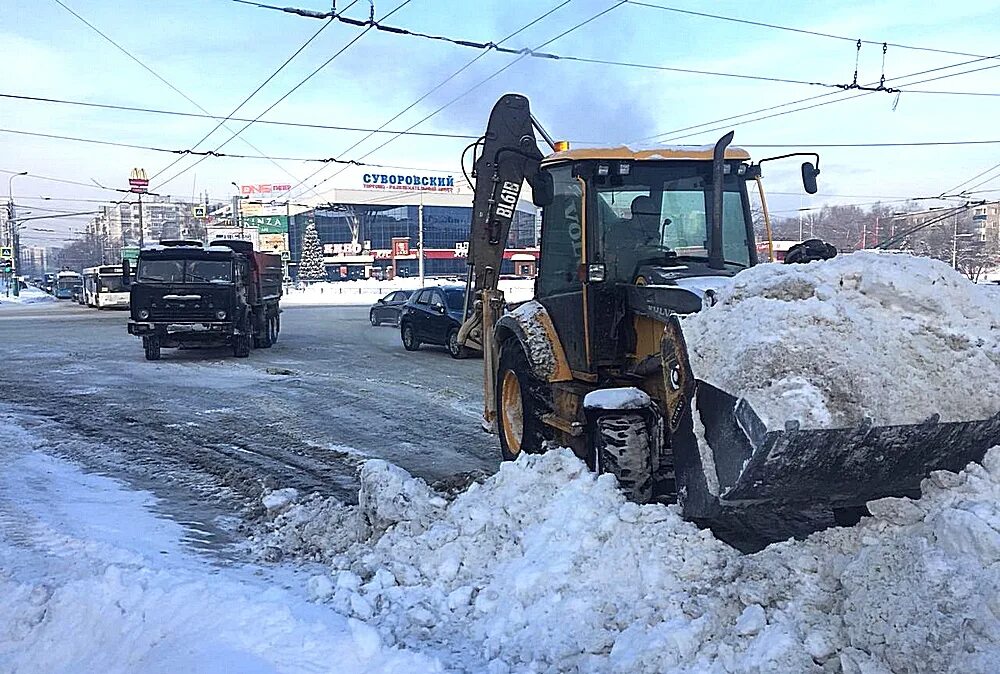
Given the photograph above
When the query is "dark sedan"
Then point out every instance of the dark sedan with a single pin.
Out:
(433, 316)
(387, 309)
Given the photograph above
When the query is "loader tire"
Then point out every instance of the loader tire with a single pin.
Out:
(622, 448)
(520, 404)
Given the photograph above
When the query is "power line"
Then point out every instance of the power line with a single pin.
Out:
(289, 93)
(932, 143)
(254, 92)
(150, 148)
(438, 86)
(158, 76)
(803, 31)
(177, 113)
(817, 105)
(817, 97)
(487, 79)
(536, 53)
(978, 175)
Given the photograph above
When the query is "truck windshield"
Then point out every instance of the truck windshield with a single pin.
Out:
(658, 213)
(185, 271)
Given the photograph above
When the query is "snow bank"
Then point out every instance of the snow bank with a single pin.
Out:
(368, 292)
(891, 337)
(545, 568)
(29, 295)
(91, 580)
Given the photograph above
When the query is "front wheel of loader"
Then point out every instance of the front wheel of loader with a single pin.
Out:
(520, 404)
(622, 448)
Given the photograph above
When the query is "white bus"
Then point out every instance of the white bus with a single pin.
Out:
(103, 287)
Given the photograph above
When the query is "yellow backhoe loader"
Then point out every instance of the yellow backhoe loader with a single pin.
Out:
(631, 240)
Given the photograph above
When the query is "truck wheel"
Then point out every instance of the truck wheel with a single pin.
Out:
(276, 325)
(265, 342)
(621, 447)
(520, 404)
(456, 350)
(151, 345)
(410, 341)
(241, 345)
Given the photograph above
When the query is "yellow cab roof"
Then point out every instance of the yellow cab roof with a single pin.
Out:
(662, 152)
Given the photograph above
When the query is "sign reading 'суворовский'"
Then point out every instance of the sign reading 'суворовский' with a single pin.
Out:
(386, 181)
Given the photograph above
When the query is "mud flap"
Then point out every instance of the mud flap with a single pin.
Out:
(737, 461)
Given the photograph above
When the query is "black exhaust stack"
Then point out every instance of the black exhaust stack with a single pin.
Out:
(716, 260)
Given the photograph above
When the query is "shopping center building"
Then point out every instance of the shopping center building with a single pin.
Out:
(373, 224)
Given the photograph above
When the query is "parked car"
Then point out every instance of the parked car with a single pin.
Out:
(433, 316)
(388, 309)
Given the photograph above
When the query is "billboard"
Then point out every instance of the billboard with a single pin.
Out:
(273, 242)
(268, 224)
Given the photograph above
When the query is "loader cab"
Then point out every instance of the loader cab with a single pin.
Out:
(619, 219)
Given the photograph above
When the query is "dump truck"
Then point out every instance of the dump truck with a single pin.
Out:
(187, 295)
(632, 240)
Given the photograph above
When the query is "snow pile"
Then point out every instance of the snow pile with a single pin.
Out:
(29, 295)
(893, 338)
(545, 568)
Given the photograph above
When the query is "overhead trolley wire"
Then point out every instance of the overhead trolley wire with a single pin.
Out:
(487, 79)
(804, 31)
(158, 76)
(287, 94)
(435, 88)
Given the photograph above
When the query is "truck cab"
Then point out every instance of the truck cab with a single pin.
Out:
(186, 295)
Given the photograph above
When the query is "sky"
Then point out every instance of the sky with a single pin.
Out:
(216, 52)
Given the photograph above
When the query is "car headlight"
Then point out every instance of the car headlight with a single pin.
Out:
(220, 314)
(143, 314)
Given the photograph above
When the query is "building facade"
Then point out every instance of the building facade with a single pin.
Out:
(378, 230)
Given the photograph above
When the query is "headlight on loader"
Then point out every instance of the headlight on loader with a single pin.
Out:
(143, 314)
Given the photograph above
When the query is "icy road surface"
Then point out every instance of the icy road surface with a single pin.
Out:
(332, 392)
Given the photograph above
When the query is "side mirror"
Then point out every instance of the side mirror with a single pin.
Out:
(809, 173)
(439, 308)
(126, 273)
(542, 189)
(381, 300)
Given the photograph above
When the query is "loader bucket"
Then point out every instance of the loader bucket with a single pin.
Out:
(839, 466)
(725, 456)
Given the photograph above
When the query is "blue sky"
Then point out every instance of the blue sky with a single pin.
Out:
(218, 51)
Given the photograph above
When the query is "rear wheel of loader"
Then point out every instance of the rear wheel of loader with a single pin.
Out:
(622, 448)
(520, 404)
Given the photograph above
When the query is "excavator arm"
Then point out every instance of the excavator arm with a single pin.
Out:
(508, 156)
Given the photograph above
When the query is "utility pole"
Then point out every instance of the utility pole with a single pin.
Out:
(420, 239)
(140, 220)
(15, 239)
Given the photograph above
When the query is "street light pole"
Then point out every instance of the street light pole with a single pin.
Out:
(14, 238)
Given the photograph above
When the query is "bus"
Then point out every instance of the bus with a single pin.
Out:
(103, 287)
(63, 285)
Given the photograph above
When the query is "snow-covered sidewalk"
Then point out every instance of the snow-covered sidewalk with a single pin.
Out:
(29, 295)
(91, 581)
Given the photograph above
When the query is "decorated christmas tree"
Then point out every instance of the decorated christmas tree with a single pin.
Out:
(311, 264)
